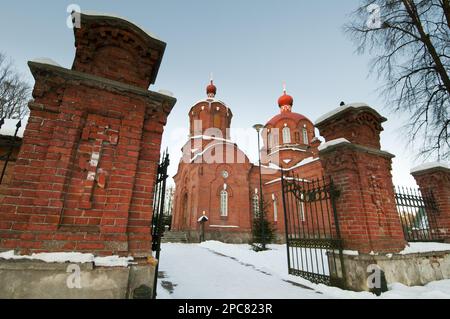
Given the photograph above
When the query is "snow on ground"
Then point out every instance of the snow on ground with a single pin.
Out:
(214, 270)
(108, 261)
(414, 248)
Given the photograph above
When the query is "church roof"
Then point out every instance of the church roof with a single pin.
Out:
(285, 102)
(296, 117)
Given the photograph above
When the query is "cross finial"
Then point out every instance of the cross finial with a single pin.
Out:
(284, 88)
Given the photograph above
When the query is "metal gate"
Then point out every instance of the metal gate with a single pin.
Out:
(158, 212)
(417, 210)
(314, 245)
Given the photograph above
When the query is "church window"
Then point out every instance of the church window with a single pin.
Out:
(286, 135)
(269, 140)
(224, 203)
(217, 120)
(305, 136)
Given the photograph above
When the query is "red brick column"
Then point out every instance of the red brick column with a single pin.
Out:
(435, 178)
(352, 157)
(84, 177)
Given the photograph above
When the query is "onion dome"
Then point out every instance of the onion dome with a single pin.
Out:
(285, 100)
(285, 103)
(211, 90)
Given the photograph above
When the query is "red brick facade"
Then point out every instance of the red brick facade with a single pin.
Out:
(212, 165)
(84, 177)
(366, 206)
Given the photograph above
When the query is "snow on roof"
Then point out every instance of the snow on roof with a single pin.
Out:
(45, 61)
(287, 149)
(339, 110)
(427, 166)
(288, 179)
(210, 138)
(338, 141)
(208, 148)
(166, 92)
(9, 127)
(109, 15)
(210, 101)
(73, 257)
(306, 161)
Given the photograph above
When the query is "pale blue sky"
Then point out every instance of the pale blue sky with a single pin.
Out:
(251, 46)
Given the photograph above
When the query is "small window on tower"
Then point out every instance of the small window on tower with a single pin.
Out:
(286, 135)
(217, 120)
(305, 136)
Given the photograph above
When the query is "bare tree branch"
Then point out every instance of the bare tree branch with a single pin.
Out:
(14, 92)
(411, 49)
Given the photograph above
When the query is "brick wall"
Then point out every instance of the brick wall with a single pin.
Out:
(366, 206)
(436, 180)
(84, 177)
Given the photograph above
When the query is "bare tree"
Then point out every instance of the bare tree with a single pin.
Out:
(14, 91)
(410, 40)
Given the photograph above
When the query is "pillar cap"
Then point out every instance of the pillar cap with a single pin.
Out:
(430, 167)
(353, 107)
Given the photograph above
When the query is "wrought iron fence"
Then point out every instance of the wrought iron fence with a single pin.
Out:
(417, 211)
(314, 245)
(159, 198)
(10, 143)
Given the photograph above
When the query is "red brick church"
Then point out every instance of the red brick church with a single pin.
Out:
(217, 180)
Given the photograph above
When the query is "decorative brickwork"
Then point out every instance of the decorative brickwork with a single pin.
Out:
(366, 207)
(437, 180)
(84, 177)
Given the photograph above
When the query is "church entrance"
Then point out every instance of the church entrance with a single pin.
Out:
(314, 245)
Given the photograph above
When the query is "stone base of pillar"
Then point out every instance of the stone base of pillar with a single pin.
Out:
(33, 279)
(411, 270)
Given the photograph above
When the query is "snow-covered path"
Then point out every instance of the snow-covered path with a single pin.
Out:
(200, 273)
(214, 270)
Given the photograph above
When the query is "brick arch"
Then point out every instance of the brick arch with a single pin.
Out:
(229, 190)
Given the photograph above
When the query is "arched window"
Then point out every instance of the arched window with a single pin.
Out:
(275, 138)
(286, 135)
(269, 140)
(217, 120)
(255, 204)
(224, 203)
(305, 136)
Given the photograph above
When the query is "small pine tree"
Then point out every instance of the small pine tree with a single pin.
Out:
(263, 232)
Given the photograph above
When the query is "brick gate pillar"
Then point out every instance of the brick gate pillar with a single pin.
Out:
(435, 177)
(352, 157)
(84, 178)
